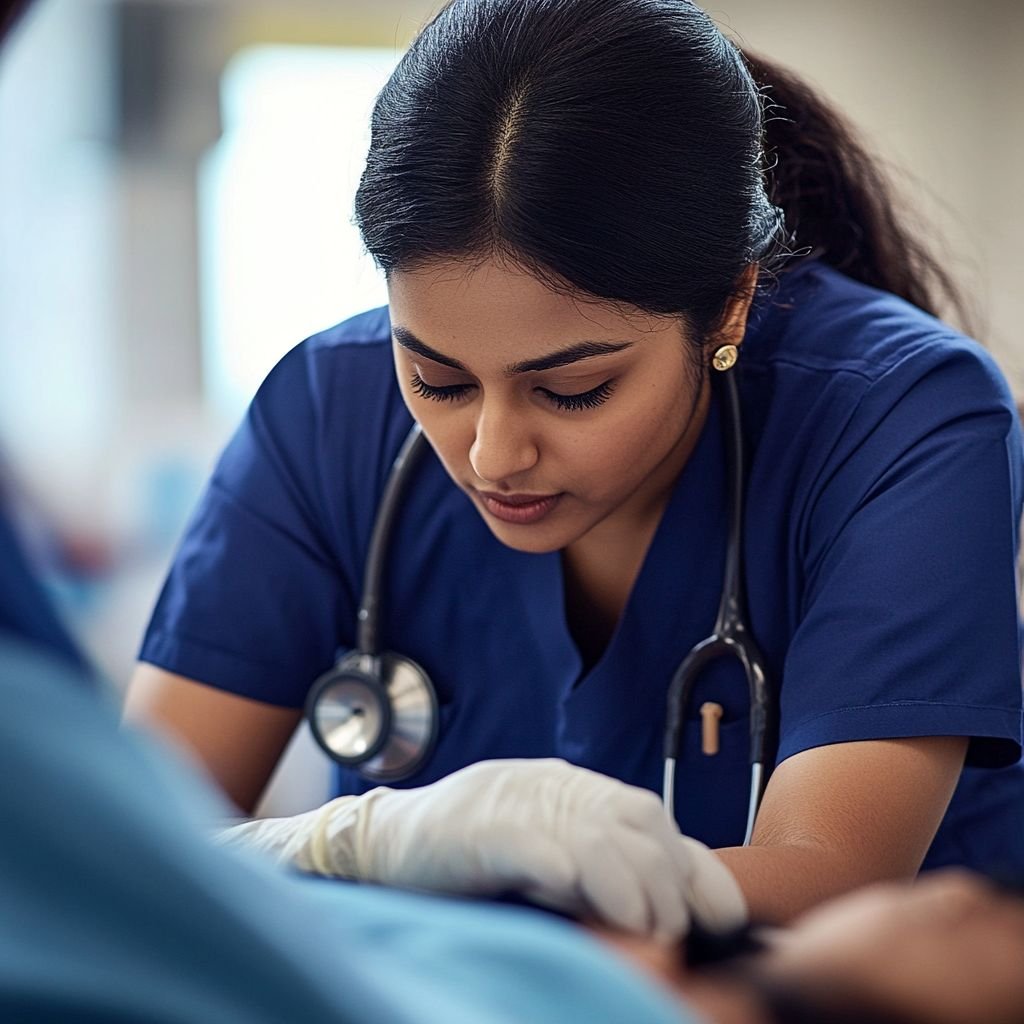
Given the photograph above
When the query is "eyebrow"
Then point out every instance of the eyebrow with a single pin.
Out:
(563, 357)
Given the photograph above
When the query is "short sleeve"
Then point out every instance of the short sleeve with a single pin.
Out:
(258, 600)
(909, 625)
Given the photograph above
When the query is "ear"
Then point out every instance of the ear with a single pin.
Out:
(733, 323)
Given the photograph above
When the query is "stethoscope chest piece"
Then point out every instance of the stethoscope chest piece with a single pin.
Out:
(377, 713)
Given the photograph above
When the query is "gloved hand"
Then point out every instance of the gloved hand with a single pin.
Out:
(560, 835)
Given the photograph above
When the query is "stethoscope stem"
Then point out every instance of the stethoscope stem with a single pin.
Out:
(668, 789)
(756, 781)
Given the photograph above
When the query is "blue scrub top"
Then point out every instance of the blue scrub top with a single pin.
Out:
(883, 501)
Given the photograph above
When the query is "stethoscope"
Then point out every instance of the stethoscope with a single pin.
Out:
(377, 711)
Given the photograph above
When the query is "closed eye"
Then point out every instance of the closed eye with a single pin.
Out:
(567, 403)
(448, 393)
(584, 400)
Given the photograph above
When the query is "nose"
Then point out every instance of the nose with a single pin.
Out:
(503, 447)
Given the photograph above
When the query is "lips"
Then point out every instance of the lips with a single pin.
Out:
(520, 509)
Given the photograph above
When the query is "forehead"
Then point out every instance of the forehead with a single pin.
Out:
(480, 311)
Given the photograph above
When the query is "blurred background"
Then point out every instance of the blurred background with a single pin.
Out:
(176, 184)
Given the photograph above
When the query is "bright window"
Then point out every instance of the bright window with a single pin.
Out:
(280, 256)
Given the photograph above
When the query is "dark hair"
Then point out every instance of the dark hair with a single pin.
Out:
(610, 147)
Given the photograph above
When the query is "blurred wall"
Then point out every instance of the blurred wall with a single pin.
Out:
(936, 87)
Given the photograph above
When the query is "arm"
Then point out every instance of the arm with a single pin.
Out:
(259, 598)
(905, 660)
(840, 816)
(237, 740)
(947, 948)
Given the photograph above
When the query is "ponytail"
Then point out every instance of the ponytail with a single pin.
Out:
(838, 201)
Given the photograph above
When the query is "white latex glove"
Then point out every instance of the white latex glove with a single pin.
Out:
(559, 835)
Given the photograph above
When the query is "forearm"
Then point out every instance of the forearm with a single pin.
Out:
(781, 882)
(838, 817)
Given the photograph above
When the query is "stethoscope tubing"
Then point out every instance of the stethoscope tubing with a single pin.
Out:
(731, 635)
(368, 620)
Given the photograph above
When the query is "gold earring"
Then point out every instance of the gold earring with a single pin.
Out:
(725, 357)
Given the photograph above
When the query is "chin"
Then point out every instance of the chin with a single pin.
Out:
(538, 539)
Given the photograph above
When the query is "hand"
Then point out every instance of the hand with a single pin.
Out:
(560, 835)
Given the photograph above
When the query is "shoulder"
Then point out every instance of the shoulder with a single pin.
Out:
(360, 333)
(359, 345)
(850, 357)
(849, 391)
(818, 320)
(336, 387)
(326, 423)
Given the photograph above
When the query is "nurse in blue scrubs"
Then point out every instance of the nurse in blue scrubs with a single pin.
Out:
(580, 217)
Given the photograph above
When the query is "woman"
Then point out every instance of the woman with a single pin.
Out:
(571, 203)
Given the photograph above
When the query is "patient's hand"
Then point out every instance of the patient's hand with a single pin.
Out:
(947, 949)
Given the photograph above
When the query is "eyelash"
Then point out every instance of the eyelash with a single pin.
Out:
(567, 403)
(445, 394)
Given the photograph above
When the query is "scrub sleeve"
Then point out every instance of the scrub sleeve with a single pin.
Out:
(264, 589)
(909, 550)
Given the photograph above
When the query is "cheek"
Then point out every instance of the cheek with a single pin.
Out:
(598, 456)
(450, 432)
(629, 440)
(446, 429)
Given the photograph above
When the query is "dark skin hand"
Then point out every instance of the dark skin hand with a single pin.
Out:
(946, 949)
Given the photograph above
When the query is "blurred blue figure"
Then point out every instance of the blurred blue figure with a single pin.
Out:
(117, 908)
